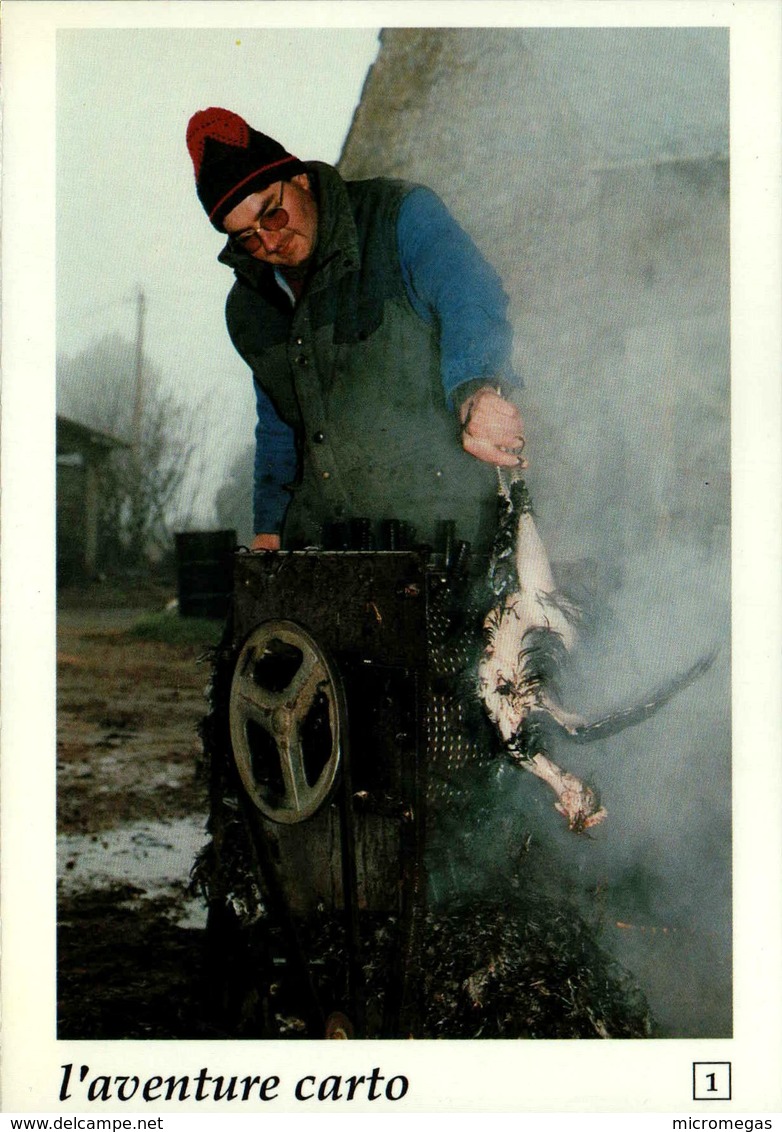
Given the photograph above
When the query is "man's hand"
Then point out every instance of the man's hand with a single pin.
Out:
(492, 429)
(265, 542)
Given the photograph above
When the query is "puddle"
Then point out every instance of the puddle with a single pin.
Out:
(155, 857)
(107, 768)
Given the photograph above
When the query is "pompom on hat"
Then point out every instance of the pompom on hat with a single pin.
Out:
(232, 160)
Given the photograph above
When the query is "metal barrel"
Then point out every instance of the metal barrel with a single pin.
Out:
(460, 560)
(205, 572)
(336, 536)
(407, 535)
(446, 535)
(390, 534)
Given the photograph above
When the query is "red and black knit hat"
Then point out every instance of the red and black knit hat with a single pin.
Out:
(232, 160)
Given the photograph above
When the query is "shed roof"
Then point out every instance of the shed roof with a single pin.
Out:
(75, 437)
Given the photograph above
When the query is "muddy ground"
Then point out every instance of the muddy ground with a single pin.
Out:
(131, 817)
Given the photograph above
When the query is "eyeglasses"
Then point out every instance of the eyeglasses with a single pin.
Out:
(273, 220)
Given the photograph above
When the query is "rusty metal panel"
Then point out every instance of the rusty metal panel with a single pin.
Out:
(368, 612)
(361, 604)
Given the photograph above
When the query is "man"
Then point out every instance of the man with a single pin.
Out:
(377, 339)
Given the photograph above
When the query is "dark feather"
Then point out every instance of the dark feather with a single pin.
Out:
(612, 724)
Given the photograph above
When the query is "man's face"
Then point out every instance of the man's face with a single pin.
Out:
(291, 245)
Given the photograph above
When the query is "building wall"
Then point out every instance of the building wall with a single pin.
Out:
(82, 455)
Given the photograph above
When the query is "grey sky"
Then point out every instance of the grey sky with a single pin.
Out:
(127, 213)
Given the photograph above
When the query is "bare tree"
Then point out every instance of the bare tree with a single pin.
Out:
(144, 488)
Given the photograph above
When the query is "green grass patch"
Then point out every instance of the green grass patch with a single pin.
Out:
(171, 629)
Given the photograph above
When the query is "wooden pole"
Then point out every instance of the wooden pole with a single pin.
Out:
(138, 401)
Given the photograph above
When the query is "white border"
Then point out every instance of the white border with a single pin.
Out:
(445, 1076)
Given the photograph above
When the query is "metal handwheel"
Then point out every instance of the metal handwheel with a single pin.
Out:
(287, 721)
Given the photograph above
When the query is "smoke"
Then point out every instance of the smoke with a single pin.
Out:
(629, 481)
(599, 190)
(662, 859)
(606, 214)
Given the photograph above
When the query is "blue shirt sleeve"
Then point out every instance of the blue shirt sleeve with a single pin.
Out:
(275, 466)
(451, 285)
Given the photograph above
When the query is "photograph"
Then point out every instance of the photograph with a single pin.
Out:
(395, 572)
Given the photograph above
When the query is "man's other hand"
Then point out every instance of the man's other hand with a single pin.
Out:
(265, 542)
(492, 429)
